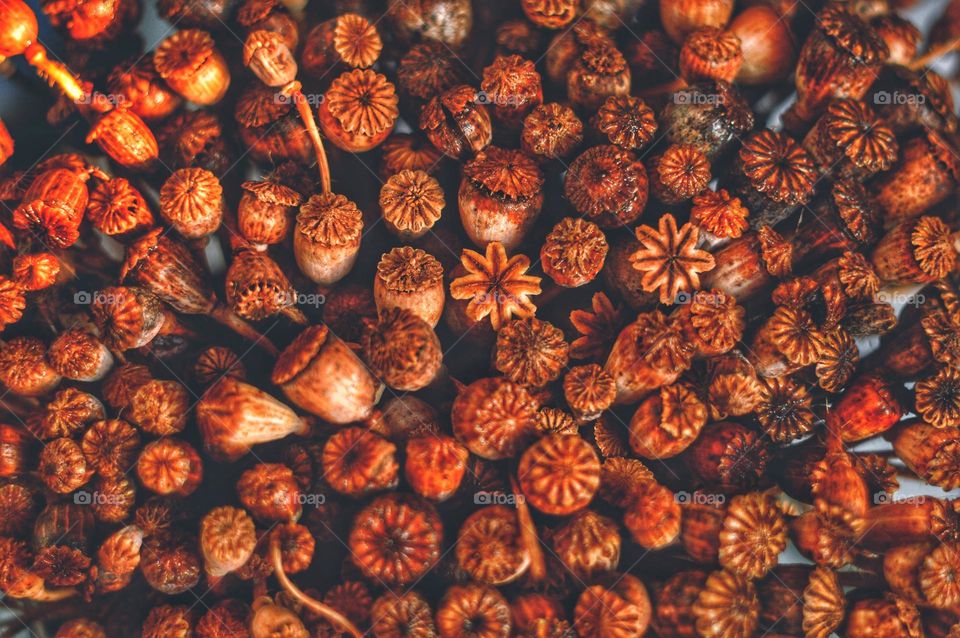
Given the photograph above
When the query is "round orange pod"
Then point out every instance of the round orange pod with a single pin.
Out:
(266, 211)
(412, 279)
(25, 369)
(122, 135)
(494, 418)
(192, 65)
(327, 237)
(618, 606)
(359, 110)
(435, 466)
(868, 406)
(191, 201)
(711, 54)
(559, 474)
(18, 28)
(170, 466)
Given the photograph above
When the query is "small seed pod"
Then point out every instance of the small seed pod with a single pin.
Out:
(170, 466)
(191, 200)
(411, 279)
(567, 46)
(489, 546)
(925, 175)
(589, 391)
(19, 28)
(840, 59)
(16, 450)
(465, 606)
(20, 505)
(62, 466)
(748, 265)
(110, 447)
(531, 352)
(81, 628)
(849, 140)
(320, 374)
(233, 416)
(551, 131)
(272, 15)
(128, 317)
(227, 539)
(66, 414)
(710, 54)
(929, 452)
(53, 206)
(402, 349)
(647, 354)
(682, 17)
(77, 354)
(512, 85)
(457, 122)
(573, 252)
(768, 44)
(192, 65)
(218, 362)
(91, 24)
(171, 564)
(601, 71)
(901, 37)
(937, 398)
(268, 620)
(396, 539)
(729, 456)
(12, 301)
(667, 422)
(447, 21)
(327, 237)
(435, 465)
(617, 606)
(24, 368)
(143, 89)
(673, 605)
(359, 110)
(270, 492)
(349, 39)
(711, 116)
(265, 212)
(195, 138)
(727, 606)
(588, 545)
(268, 57)
(678, 174)
(500, 197)
(915, 251)
(166, 621)
(411, 202)
(225, 619)
(549, 14)
(35, 271)
(869, 406)
(269, 126)
(122, 135)
(494, 418)
(118, 209)
(403, 152)
(559, 474)
(608, 185)
(887, 616)
(256, 288)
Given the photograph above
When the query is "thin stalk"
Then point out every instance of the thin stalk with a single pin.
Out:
(306, 114)
(932, 54)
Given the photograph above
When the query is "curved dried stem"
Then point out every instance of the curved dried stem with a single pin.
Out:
(932, 54)
(224, 315)
(317, 607)
(306, 114)
(56, 73)
(528, 534)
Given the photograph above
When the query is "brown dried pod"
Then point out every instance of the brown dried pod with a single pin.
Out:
(667, 422)
(81, 628)
(215, 363)
(12, 301)
(118, 209)
(446, 21)
(269, 126)
(711, 116)
(929, 452)
(273, 15)
(321, 374)
(550, 14)
(270, 492)
(652, 515)
(394, 616)
(115, 498)
(265, 212)
(768, 44)
(143, 89)
(168, 621)
(710, 54)
(530, 352)
(589, 391)
(473, 609)
(559, 474)
(937, 398)
(599, 72)
(160, 407)
(900, 35)
(616, 607)
(52, 207)
(35, 271)
(551, 131)
(889, 615)
(500, 197)
(402, 152)
(774, 175)
(170, 466)
(357, 462)
(79, 355)
(19, 29)
(850, 140)
(608, 185)
(396, 539)
(122, 135)
(411, 202)
(227, 539)
(626, 121)
(910, 98)
(233, 416)
(191, 64)
(495, 286)
(195, 138)
(670, 260)
(679, 173)
(784, 409)
(24, 367)
(266, 54)
(359, 110)
(411, 279)
(62, 466)
(647, 354)
(191, 201)
(171, 565)
(729, 456)
(727, 606)
(926, 173)
(110, 447)
(753, 536)
(787, 342)
(225, 619)
(588, 545)
(457, 122)
(489, 547)
(681, 17)
(127, 316)
(511, 84)
(66, 414)
(435, 465)
(327, 238)
(19, 505)
(349, 39)
(256, 288)
(673, 604)
(915, 251)
(402, 350)
(494, 418)
(268, 620)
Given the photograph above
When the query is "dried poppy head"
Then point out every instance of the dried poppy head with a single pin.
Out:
(92, 23)
(16, 450)
(110, 447)
(266, 54)
(559, 474)
(143, 89)
(127, 317)
(729, 455)
(19, 505)
(588, 545)
(670, 260)
(160, 407)
(402, 152)
(617, 606)
(768, 44)
(888, 614)
(496, 286)
(265, 212)
(753, 536)
(24, 368)
(357, 462)
(191, 200)
(711, 54)
(776, 174)
(573, 253)
(270, 492)
(551, 131)
(531, 352)
(489, 547)
(396, 538)
(402, 350)
(19, 29)
(680, 173)
(227, 539)
(272, 15)
(412, 279)
(435, 465)
(62, 466)
(727, 606)
(500, 196)
(600, 71)
(53, 206)
(77, 354)
(427, 70)
(649, 353)
(446, 21)
(12, 301)
(359, 110)
(36, 271)
(494, 418)
(784, 409)
(473, 610)
(256, 288)
(850, 140)
(395, 615)
(667, 422)
(588, 391)
(915, 251)
(626, 121)
(712, 116)
(195, 138)
(411, 202)
(81, 628)
(456, 122)
(122, 135)
(938, 398)
(550, 14)
(68, 412)
(170, 466)
(192, 65)
(512, 85)
(118, 209)
(226, 619)
(311, 372)
(608, 185)
(168, 621)
(327, 237)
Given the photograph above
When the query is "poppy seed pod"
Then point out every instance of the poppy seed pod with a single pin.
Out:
(266, 55)
(191, 200)
(54, 205)
(326, 240)
(457, 122)
(410, 278)
(257, 288)
(79, 355)
(359, 110)
(126, 139)
(192, 65)
(321, 374)
(266, 211)
(18, 28)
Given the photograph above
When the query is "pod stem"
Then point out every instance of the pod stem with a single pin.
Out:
(224, 315)
(306, 114)
(932, 54)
